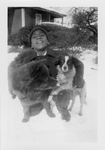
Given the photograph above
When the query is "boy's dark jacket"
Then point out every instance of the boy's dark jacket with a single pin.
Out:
(29, 55)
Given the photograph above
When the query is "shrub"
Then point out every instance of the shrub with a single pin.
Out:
(15, 49)
(59, 37)
(20, 38)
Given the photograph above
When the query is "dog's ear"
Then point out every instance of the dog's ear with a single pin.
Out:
(57, 60)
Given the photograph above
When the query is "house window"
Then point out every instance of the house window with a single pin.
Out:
(38, 18)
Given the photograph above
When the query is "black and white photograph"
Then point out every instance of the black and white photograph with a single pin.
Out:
(51, 77)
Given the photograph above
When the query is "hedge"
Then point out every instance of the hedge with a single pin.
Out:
(59, 36)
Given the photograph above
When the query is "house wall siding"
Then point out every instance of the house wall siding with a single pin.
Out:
(29, 17)
(15, 18)
(10, 20)
(17, 22)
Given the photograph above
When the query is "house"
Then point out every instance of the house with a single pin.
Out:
(29, 16)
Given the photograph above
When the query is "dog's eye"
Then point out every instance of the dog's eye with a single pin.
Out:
(62, 61)
(69, 62)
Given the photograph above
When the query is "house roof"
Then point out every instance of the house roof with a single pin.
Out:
(51, 11)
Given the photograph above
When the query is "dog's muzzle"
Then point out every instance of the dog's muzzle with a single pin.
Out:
(65, 68)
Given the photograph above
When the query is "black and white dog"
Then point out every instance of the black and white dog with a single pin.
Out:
(66, 73)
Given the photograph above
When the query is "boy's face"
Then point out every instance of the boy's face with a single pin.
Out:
(39, 40)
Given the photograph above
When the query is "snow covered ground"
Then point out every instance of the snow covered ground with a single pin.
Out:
(44, 130)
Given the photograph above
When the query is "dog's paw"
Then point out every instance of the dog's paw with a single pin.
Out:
(70, 109)
(67, 118)
(24, 120)
(52, 115)
(80, 114)
(13, 96)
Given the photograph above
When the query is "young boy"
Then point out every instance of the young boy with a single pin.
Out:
(39, 44)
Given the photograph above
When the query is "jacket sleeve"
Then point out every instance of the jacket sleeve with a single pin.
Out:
(79, 66)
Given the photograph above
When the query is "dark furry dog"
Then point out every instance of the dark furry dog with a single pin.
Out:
(32, 84)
